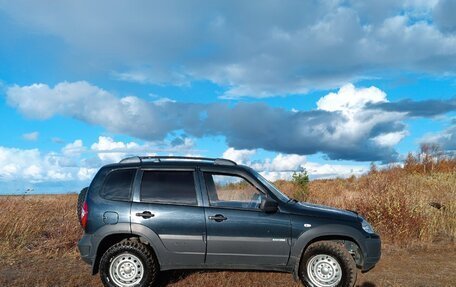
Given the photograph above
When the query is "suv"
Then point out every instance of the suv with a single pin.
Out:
(150, 214)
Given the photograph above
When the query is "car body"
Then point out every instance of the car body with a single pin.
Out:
(180, 207)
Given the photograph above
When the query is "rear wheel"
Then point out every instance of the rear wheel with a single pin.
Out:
(81, 199)
(128, 263)
(327, 264)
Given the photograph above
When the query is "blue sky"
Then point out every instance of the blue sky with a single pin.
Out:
(329, 86)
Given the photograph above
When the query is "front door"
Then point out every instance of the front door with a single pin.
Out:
(238, 231)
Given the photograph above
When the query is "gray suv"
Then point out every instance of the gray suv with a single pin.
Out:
(149, 214)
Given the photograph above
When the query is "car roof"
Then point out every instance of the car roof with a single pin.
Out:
(174, 161)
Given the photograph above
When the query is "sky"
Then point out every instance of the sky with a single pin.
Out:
(326, 86)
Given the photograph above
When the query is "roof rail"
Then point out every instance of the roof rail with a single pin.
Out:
(141, 159)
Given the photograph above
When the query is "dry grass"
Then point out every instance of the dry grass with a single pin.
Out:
(42, 224)
(404, 208)
(38, 234)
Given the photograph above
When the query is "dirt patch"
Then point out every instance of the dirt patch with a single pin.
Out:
(419, 266)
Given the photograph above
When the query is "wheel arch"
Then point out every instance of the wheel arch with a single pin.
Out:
(332, 232)
(144, 235)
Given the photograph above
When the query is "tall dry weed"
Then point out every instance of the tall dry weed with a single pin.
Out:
(403, 207)
(39, 223)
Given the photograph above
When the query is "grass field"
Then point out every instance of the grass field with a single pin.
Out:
(414, 213)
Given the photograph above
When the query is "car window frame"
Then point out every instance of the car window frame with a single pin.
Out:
(138, 182)
(229, 173)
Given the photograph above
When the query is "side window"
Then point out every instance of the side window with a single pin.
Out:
(117, 185)
(168, 187)
(231, 191)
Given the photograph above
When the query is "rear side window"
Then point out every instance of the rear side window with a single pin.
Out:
(118, 184)
(168, 187)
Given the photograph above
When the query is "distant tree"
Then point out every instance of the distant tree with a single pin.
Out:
(430, 155)
(373, 168)
(301, 181)
(410, 163)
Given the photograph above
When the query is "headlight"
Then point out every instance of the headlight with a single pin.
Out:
(367, 227)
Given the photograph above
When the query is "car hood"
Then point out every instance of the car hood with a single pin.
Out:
(323, 211)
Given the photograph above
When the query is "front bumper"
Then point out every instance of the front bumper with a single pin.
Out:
(372, 252)
(86, 249)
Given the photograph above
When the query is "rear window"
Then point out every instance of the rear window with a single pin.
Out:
(118, 184)
(168, 187)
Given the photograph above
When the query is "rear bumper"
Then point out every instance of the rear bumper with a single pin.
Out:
(86, 249)
(372, 254)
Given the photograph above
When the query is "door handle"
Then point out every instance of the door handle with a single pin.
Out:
(218, 218)
(145, 214)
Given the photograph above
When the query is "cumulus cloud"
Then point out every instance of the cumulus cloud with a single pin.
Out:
(446, 139)
(253, 50)
(74, 148)
(346, 132)
(109, 150)
(444, 15)
(33, 136)
(93, 105)
(240, 156)
(30, 165)
(352, 123)
(282, 166)
(351, 100)
(75, 162)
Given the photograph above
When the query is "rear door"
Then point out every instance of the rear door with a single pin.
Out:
(238, 232)
(168, 203)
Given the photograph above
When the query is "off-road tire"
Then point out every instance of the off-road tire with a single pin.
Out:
(338, 252)
(134, 247)
(81, 199)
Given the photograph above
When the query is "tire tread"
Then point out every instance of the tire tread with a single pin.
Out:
(333, 248)
(129, 245)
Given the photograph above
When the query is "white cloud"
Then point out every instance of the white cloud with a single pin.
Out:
(93, 105)
(390, 139)
(240, 156)
(446, 138)
(74, 148)
(350, 100)
(33, 136)
(282, 166)
(162, 101)
(109, 150)
(283, 49)
(317, 170)
(85, 174)
(282, 163)
(75, 162)
(348, 124)
(30, 165)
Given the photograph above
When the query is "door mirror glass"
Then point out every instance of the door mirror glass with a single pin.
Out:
(269, 205)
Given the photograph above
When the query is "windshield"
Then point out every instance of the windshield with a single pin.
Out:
(282, 197)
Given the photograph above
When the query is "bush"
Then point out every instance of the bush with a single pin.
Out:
(301, 182)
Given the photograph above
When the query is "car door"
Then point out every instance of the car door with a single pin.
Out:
(238, 232)
(167, 202)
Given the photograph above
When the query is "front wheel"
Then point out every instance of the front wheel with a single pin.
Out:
(128, 263)
(327, 264)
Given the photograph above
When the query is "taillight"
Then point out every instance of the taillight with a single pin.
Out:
(84, 215)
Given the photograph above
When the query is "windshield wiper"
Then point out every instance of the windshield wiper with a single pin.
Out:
(293, 200)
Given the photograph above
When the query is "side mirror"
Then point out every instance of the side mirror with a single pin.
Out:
(269, 205)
